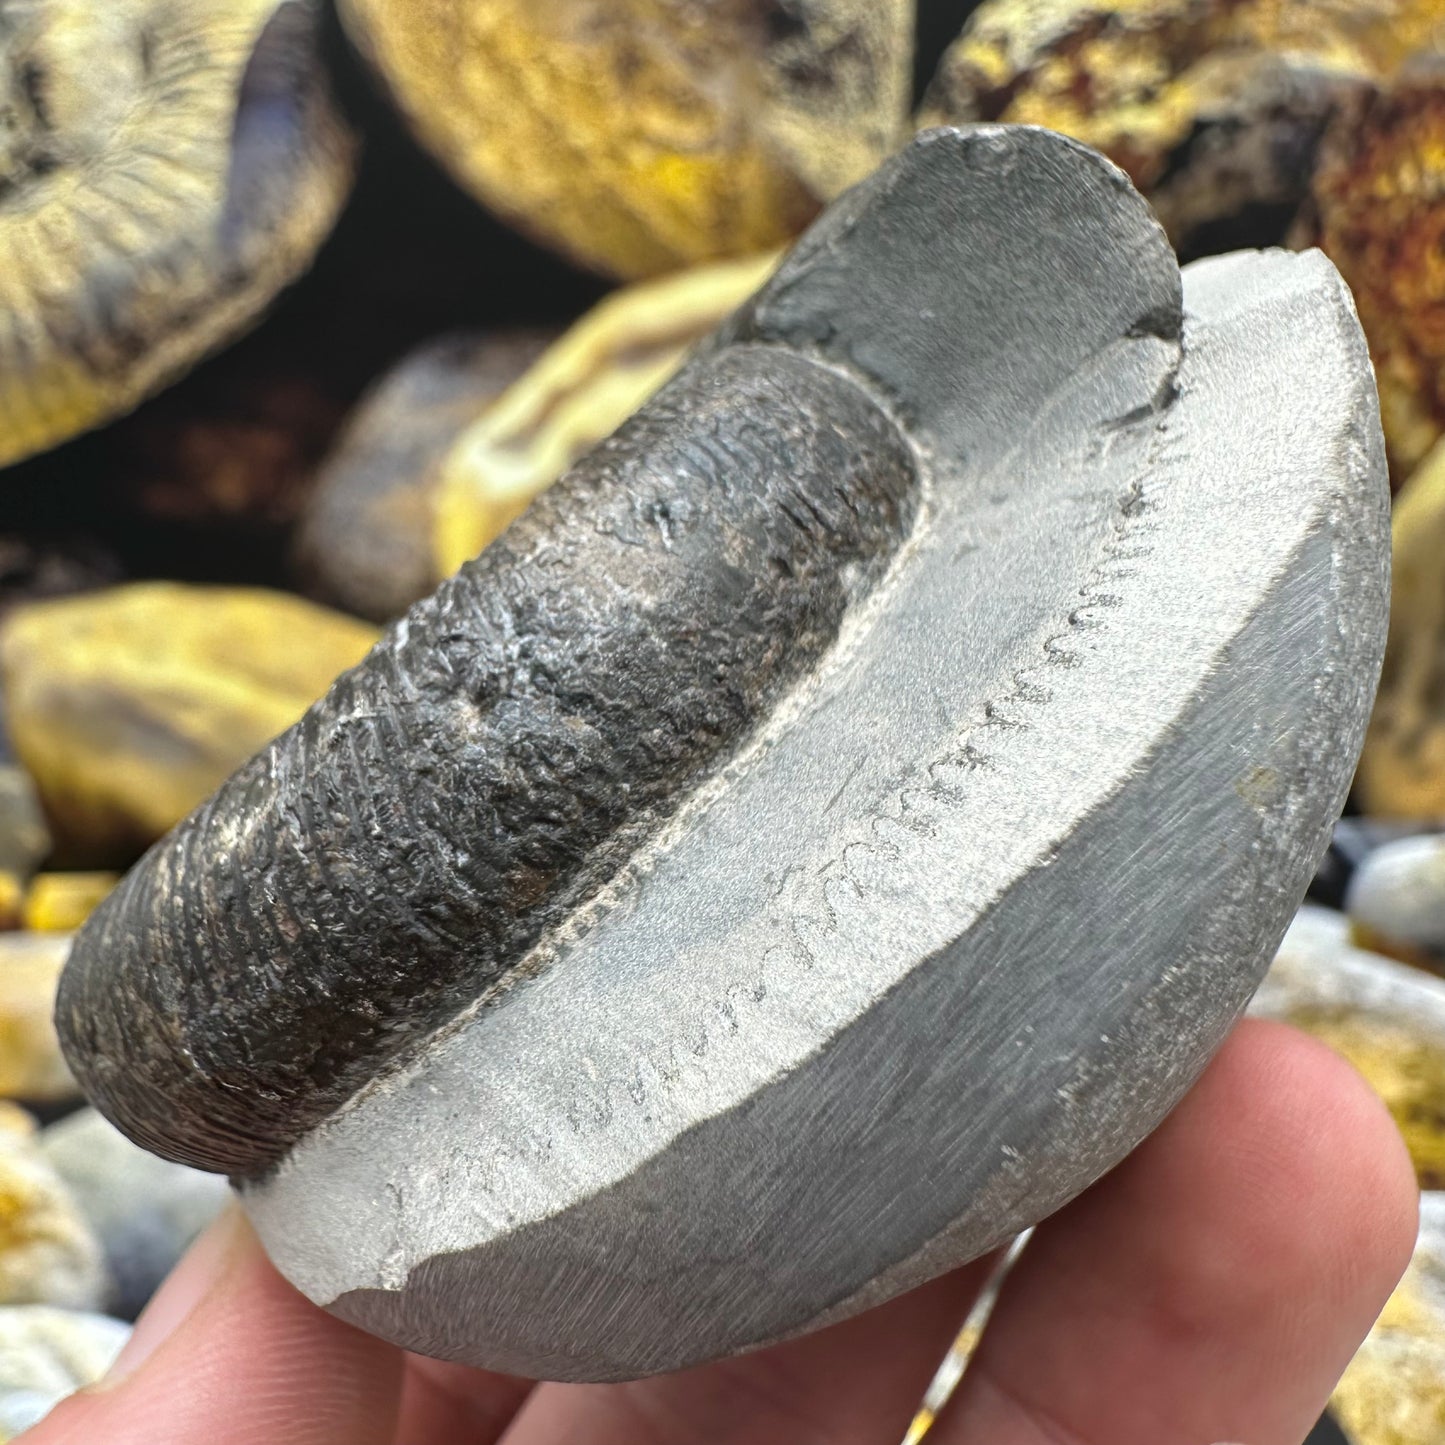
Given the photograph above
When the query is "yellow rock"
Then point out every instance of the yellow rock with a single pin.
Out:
(31, 1064)
(1402, 770)
(61, 902)
(1394, 1391)
(154, 196)
(580, 391)
(48, 1254)
(1213, 106)
(641, 136)
(17, 1121)
(129, 706)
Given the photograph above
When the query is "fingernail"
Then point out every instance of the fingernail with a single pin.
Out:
(190, 1282)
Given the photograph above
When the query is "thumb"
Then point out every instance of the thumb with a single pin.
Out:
(228, 1354)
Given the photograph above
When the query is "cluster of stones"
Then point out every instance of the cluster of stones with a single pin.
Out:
(126, 703)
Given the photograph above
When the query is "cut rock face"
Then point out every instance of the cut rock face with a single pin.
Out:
(824, 835)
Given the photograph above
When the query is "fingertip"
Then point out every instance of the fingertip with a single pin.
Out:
(1224, 1274)
(1334, 1195)
(237, 1356)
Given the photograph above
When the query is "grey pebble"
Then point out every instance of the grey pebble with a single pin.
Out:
(145, 1211)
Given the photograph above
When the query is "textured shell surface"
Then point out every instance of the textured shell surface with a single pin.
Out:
(721, 906)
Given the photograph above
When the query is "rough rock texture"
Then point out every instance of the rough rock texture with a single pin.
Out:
(1215, 108)
(492, 763)
(586, 385)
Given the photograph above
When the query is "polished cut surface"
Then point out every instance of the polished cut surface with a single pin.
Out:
(829, 831)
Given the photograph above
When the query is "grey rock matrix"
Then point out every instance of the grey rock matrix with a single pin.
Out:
(824, 836)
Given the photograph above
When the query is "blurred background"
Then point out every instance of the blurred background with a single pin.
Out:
(302, 302)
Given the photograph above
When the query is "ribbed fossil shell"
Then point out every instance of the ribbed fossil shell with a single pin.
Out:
(825, 833)
(640, 136)
(455, 444)
(166, 166)
(551, 703)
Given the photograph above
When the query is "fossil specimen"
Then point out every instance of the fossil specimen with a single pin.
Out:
(825, 833)
(644, 135)
(164, 170)
(1216, 108)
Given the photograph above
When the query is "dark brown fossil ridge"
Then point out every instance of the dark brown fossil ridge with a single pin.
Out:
(488, 766)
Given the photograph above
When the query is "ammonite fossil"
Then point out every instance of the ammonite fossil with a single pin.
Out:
(165, 168)
(829, 830)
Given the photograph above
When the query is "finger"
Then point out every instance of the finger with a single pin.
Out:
(855, 1384)
(229, 1354)
(1215, 1286)
(450, 1405)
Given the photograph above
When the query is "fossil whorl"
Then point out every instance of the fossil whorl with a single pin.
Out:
(166, 166)
(515, 736)
(493, 760)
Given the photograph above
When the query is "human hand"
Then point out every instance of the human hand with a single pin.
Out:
(1212, 1288)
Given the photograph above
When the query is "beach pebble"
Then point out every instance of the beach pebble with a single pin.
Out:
(1396, 900)
(144, 1210)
